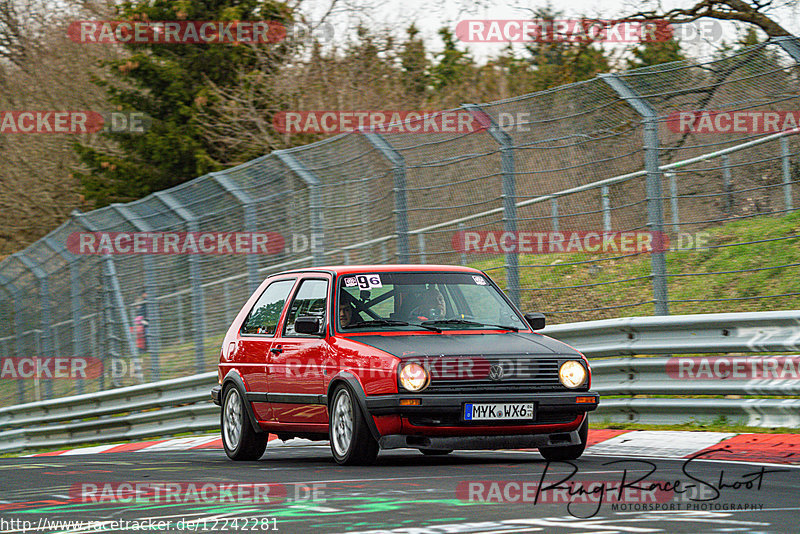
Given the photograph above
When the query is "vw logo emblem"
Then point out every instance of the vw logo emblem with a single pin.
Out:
(496, 373)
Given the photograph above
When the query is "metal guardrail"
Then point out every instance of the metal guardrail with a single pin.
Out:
(777, 331)
(183, 405)
(161, 408)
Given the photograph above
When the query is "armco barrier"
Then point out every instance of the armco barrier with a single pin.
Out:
(183, 405)
(777, 331)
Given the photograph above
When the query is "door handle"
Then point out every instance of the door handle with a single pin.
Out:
(276, 350)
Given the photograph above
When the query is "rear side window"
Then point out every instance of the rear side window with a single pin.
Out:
(263, 318)
(309, 301)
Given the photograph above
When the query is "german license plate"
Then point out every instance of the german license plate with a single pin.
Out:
(497, 412)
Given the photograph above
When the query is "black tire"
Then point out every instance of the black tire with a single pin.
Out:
(570, 452)
(435, 452)
(351, 441)
(240, 440)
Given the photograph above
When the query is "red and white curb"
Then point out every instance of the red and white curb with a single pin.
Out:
(776, 448)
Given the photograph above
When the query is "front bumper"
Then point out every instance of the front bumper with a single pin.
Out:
(449, 408)
(216, 392)
(513, 441)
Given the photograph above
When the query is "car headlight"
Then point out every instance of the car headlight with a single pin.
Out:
(414, 377)
(572, 374)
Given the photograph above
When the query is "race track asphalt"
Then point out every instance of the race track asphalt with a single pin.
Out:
(300, 489)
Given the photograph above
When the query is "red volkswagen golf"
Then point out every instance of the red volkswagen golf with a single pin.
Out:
(430, 357)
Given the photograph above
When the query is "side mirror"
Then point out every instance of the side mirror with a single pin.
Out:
(307, 325)
(536, 320)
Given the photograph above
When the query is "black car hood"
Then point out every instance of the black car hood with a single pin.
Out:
(467, 344)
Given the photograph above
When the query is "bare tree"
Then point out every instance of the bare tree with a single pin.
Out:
(41, 69)
(755, 12)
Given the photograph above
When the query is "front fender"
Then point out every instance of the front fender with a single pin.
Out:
(355, 386)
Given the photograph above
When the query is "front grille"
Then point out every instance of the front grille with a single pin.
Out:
(473, 374)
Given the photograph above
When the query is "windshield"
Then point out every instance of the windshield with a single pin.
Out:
(431, 300)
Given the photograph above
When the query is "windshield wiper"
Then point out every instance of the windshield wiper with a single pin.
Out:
(470, 323)
(389, 322)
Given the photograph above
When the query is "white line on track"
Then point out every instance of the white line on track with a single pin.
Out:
(712, 460)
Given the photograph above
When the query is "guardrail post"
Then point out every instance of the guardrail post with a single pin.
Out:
(116, 290)
(18, 326)
(315, 203)
(153, 330)
(787, 174)
(655, 208)
(198, 327)
(75, 299)
(250, 222)
(421, 246)
(509, 194)
(44, 313)
(554, 213)
(400, 191)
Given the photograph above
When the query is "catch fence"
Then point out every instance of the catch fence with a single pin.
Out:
(616, 154)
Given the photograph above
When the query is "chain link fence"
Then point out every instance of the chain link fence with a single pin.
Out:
(607, 156)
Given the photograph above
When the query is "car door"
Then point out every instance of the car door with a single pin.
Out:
(255, 340)
(295, 377)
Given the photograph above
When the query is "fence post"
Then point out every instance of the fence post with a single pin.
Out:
(509, 193)
(554, 213)
(400, 191)
(606, 201)
(153, 333)
(75, 300)
(655, 207)
(315, 203)
(250, 222)
(461, 228)
(673, 202)
(791, 45)
(195, 278)
(18, 326)
(111, 274)
(787, 174)
(44, 313)
(726, 183)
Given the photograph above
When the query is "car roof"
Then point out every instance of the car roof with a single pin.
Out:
(352, 269)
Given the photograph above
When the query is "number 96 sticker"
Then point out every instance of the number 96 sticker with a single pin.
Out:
(363, 281)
